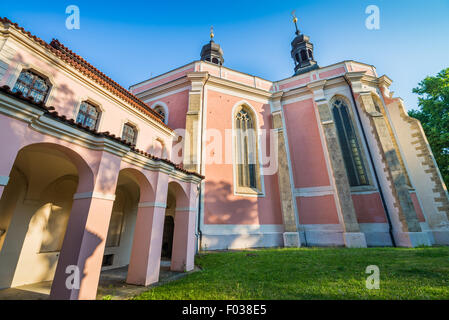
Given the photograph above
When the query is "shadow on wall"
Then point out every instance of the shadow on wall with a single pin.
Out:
(221, 207)
(64, 100)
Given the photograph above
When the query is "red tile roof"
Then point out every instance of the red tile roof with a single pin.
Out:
(54, 114)
(76, 61)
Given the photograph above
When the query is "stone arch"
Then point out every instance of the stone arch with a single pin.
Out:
(180, 193)
(85, 172)
(147, 193)
(163, 106)
(49, 176)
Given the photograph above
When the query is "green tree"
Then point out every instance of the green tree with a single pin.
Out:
(433, 112)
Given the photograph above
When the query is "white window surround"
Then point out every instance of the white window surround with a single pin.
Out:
(371, 186)
(260, 193)
(43, 73)
(122, 127)
(163, 106)
(94, 103)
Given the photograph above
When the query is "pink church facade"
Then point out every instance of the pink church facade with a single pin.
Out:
(95, 177)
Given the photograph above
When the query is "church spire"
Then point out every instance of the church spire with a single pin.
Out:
(212, 51)
(295, 21)
(302, 51)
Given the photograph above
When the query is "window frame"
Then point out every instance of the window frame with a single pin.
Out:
(135, 129)
(37, 75)
(361, 148)
(93, 105)
(258, 190)
(162, 105)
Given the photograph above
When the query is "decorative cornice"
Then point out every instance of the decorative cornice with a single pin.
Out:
(65, 55)
(45, 120)
(94, 195)
(152, 205)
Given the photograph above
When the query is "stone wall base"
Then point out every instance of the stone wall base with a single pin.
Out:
(412, 239)
(241, 241)
(321, 238)
(354, 240)
(291, 240)
(441, 237)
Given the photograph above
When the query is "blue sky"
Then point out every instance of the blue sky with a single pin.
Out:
(133, 40)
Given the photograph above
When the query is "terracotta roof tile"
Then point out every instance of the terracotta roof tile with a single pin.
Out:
(76, 61)
(54, 114)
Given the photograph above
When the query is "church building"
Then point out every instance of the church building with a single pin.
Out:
(96, 177)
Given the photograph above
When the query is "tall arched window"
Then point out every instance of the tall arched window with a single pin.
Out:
(32, 85)
(161, 111)
(88, 115)
(129, 133)
(246, 149)
(349, 144)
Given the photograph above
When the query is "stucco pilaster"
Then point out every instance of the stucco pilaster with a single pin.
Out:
(192, 139)
(291, 235)
(342, 190)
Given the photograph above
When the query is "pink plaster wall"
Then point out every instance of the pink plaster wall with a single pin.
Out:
(306, 151)
(178, 105)
(241, 78)
(332, 73)
(67, 93)
(295, 83)
(355, 67)
(221, 205)
(368, 208)
(163, 79)
(317, 210)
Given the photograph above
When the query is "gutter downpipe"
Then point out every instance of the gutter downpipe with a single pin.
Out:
(199, 233)
(390, 226)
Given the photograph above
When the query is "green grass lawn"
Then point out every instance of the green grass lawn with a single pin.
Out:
(312, 273)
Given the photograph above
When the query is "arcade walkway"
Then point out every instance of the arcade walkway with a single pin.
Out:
(112, 284)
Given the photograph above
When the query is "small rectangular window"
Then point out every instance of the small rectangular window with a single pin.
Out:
(108, 260)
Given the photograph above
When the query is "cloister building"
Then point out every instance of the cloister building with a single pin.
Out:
(96, 177)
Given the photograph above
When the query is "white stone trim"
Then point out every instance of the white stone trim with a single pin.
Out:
(314, 191)
(132, 123)
(186, 209)
(93, 102)
(259, 193)
(238, 94)
(14, 76)
(229, 229)
(158, 97)
(164, 106)
(303, 97)
(290, 166)
(94, 195)
(4, 180)
(152, 205)
(160, 77)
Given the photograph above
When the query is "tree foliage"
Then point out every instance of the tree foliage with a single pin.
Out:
(433, 112)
